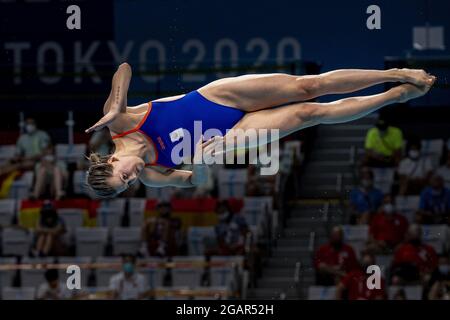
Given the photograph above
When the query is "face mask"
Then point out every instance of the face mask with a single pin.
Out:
(444, 268)
(388, 208)
(223, 216)
(30, 128)
(128, 268)
(414, 154)
(366, 183)
(49, 158)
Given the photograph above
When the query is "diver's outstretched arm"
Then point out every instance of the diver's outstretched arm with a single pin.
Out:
(117, 100)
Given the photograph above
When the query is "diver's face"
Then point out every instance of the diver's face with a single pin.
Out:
(126, 171)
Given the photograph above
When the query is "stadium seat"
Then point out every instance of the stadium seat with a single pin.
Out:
(126, 240)
(197, 236)
(154, 276)
(20, 188)
(224, 275)
(7, 276)
(91, 242)
(7, 211)
(433, 149)
(160, 194)
(16, 242)
(321, 293)
(116, 203)
(70, 152)
(109, 217)
(168, 295)
(75, 261)
(220, 293)
(7, 152)
(189, 276)
(436, 236)
(356, 236)
(24, 293)
(383, 178)
(136, 210)
(412, 292)
(407, 206)
(255, 209)
(72, 217)
(232, 183)
(103, 275)
(34, 277)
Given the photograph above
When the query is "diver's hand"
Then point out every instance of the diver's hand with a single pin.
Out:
(205, 150)
(104, 121)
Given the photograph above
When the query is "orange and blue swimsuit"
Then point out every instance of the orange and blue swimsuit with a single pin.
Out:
(166, 122)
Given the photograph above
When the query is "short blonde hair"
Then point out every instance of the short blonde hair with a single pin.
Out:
(97, 175)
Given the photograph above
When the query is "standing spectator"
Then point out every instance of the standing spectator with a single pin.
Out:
(231, 230)
(414, 170)
(49, 232)
(387, 227)
(52, 288)
(413, 260)
(440, 280)
(365, 199)
(128, 284)
(353, 286)
(444, 170)
(31, 144)
(383, 145)
(334, 260)
(434, 203)
(162, 234)
(51, 176)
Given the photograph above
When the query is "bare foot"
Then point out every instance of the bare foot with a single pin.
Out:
(408, 91)
(417, 77)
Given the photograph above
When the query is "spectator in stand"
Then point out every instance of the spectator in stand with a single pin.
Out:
(334, 260)
(413, 260)
(415, 170)
(128, 284)
(434, 203)
(444, 170)
(387, 228)
(383, 145)
(440, 280)
(31, 144)
(365, 199)
(231, 231)
(52, 288)
(162, 235)
(51, 176)
(353, 286)
(49, 232)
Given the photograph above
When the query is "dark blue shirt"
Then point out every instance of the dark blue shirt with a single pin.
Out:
(438, 203)
(366, 200)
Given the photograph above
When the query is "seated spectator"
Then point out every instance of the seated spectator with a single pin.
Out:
(128, 284)
(365, 199)
(353, 286)
(49, 233)
(434, 203)
(231, 231)
(53, 289)
(444, 170)
(162, 234)
(51, 176)
(387, 227)
(383, 145)
(413, 260)
(440, 280)
(31, 144)
(414, 170)
(334, 260)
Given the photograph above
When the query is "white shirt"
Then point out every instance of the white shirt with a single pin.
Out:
(415, 168)
(444, 172)
(128, 288)
(60, 292)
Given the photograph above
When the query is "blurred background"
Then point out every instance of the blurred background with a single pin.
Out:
(373, 191)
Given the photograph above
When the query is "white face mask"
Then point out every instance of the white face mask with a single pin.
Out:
(414, 154)
(388, 208)
(49, 158)
(30, 128)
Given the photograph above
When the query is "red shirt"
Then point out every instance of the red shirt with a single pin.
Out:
(355, 282)
(390, 229)
(344, 257)
(422, 256)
